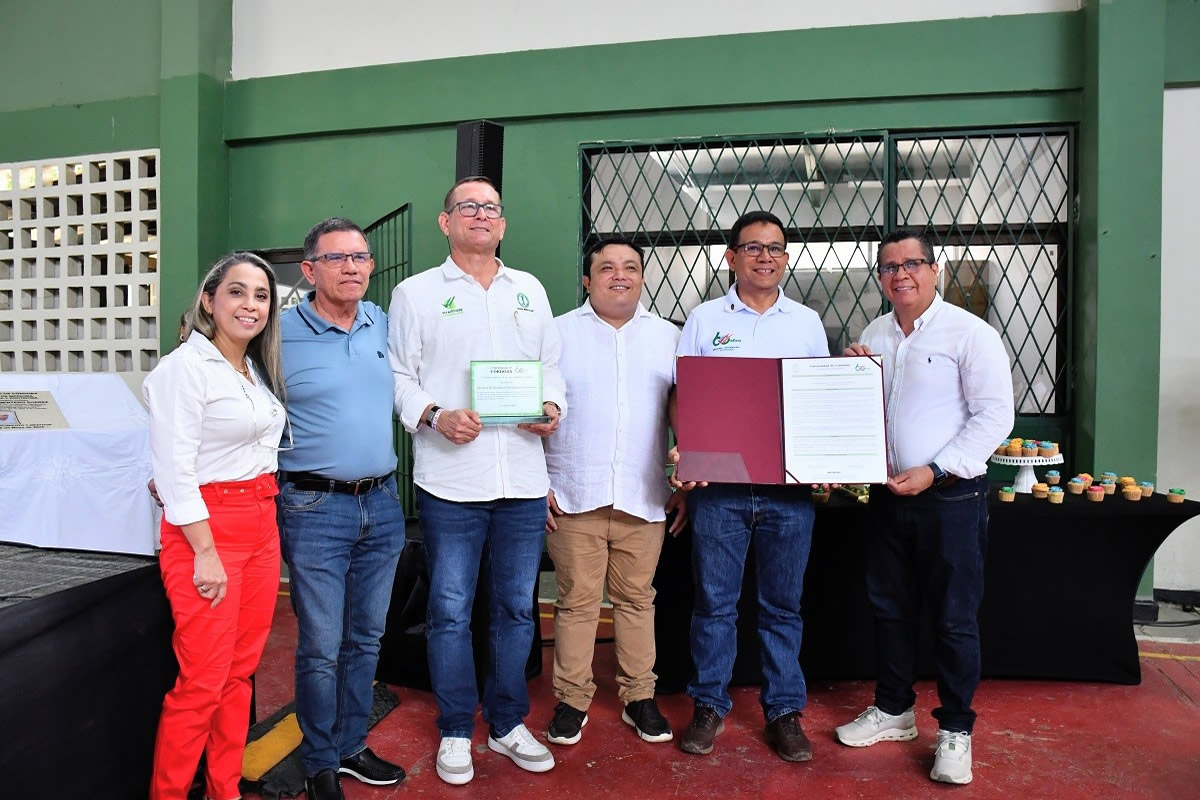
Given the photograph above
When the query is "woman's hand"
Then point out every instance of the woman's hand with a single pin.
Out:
(209, 576)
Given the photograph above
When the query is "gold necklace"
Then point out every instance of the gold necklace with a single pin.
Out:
(244, 369)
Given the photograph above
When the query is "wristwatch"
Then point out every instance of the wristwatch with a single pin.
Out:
(939, 474)
(430, 416)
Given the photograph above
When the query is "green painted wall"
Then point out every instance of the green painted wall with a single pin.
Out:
(67, 52)
(1183, 43)
(104, 126)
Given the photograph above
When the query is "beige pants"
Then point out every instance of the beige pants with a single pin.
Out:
(589, 550)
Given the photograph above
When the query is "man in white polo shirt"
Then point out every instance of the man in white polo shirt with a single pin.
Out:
(481, 490)
(608, 489)
(754, 319)
(949, 402)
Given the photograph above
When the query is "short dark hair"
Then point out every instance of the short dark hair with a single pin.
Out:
(752, 218)
(446, 206)
(331, 225)
(590, 255)
(903, 235)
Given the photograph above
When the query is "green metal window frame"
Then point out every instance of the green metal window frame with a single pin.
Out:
(390, 240)
(999, 203)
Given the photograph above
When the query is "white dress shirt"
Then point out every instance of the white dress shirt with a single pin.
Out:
(612, 449)
(208, 424)
(729, 327)
(948, 389)
(438, 323)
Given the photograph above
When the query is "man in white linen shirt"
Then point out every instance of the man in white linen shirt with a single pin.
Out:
(481, 490)
(949, 402)
(608, 489)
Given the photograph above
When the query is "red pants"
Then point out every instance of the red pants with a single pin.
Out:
(208, 709)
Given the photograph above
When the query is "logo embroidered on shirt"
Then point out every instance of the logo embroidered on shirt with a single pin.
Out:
(725, 341)
(523, 302)
(450, 308)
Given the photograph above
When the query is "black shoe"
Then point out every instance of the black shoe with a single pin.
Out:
(700, 735)
(325, 785)
(787, 737)
(567, 725)
(645, 718)
(370, 768)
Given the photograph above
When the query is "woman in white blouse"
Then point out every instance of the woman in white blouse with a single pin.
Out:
(216, 417)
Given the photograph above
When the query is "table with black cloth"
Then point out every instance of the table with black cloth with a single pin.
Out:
(1060, 583)
(85, 659)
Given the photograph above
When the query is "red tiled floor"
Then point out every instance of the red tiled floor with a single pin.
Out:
(1033, 740)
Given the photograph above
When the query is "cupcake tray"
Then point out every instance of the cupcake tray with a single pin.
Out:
(1025, 479)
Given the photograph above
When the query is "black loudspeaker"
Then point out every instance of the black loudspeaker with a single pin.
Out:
(480, 151)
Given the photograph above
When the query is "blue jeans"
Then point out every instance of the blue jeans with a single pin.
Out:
(930, 546)
(511, 532)
(726, 518)
(341, 551)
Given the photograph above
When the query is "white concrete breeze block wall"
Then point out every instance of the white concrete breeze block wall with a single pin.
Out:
(281, 37)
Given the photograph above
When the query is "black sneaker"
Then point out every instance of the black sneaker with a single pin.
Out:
(567, 725)
(645, 718)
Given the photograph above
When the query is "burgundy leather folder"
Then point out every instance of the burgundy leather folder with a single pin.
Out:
(729, 423)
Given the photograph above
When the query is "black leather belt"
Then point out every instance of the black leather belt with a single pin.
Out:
(311, 482)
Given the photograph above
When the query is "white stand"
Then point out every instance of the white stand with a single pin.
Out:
(1025, 479)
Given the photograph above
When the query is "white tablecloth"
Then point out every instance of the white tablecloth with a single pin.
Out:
(83, 488)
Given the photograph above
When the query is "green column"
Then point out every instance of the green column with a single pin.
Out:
(194, 168)
(1117, 287)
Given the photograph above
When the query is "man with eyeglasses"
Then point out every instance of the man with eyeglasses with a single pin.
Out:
(949, 401)
(753, 319)
(481, 490)
(340, 520)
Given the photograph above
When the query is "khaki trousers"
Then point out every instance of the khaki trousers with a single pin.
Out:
(590, 550)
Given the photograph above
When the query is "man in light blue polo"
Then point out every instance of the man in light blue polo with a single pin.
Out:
(340, 520)
(754, 319)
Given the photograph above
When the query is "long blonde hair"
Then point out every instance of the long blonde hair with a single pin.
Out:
(263, 349)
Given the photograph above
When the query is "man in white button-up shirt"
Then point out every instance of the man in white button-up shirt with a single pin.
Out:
(949, 402)
(481, 490)
(608, 489)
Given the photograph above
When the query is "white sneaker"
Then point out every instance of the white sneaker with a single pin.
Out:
(525, 751)
(454, 760)
(952, 761)
(874, 726)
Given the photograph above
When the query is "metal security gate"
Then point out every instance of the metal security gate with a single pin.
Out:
(996, 202)
(390, 239)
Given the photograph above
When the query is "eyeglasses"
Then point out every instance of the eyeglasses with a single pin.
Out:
(910, 266)
(755, 249)
(469, 208)
(333, 259)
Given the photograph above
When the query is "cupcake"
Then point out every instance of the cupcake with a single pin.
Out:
(1131, 493)
(1086, 478)
(820, 495)
(1126, 480)
(1014, 447)
(1076, 485)
(1053, 477)
(1029, 448)
(1147, 488)
(1045, 449)
(1007, 494)
(1176, 496)
(1109, 487)
(1095, 493)
(1002, 450)
(1040, 490)
(1108, 476)
(1056, 495)
(1054, 449)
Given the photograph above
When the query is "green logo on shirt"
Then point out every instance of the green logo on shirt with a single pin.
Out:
(725, 341)
(523, 302)
(449, 308)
